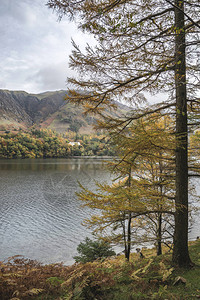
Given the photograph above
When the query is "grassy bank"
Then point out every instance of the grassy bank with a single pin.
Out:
(114, 278)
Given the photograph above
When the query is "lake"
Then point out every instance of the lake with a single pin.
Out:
(40, 216)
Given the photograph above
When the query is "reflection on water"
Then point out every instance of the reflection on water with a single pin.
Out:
(40, 216)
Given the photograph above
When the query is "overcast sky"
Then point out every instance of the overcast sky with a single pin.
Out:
(34, 46)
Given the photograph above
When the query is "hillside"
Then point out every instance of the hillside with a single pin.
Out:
(19, 109)
(110, 278)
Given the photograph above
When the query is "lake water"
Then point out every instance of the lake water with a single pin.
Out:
(40, 216)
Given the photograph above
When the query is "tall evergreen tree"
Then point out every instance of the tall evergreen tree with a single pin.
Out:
(142, 46)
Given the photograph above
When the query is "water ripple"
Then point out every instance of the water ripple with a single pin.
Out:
(40, 216)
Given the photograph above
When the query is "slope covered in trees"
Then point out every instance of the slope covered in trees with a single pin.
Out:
(38, 143)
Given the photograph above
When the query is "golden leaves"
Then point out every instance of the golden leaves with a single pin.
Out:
(140, 271)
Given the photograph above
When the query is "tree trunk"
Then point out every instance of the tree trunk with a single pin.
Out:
(180, 253)
(159, 235)
(128, 237)
(128, 248)
(124, 237)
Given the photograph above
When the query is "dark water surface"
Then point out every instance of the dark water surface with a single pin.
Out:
(40, 216)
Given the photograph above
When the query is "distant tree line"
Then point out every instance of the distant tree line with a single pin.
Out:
(43, 143)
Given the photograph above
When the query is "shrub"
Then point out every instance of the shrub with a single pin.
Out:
(90, 250)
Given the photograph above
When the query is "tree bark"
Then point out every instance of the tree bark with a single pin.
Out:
(180, 253)
(129, 237)
(124, 237)
(159, 235)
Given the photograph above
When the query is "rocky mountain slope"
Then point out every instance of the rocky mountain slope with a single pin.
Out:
(19, 109)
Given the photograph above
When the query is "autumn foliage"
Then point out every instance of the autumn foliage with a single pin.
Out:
(104, 279)
(43, 143)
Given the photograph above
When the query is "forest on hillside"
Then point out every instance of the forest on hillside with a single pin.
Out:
(43, 143)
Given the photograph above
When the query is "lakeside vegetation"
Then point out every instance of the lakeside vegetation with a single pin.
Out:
(43, 143)
(143, 47)
(152, 277)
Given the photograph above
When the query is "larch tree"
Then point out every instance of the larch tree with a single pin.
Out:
(142, 46)
(142, 197)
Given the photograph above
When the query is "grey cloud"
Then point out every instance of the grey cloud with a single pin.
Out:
(33, 45)
(21, 11)
(51, 77)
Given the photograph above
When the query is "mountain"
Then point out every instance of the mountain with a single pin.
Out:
(19, 109)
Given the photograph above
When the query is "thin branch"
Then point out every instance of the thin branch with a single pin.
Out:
(193, 175)
(175, 6)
